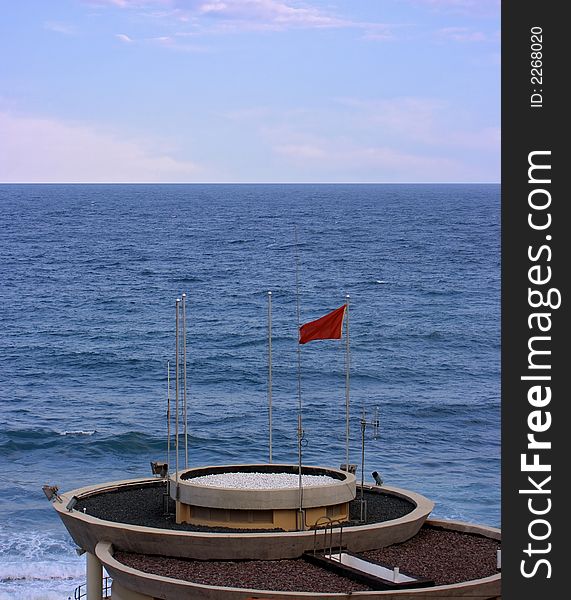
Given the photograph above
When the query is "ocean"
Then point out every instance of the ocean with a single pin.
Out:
(89, 275)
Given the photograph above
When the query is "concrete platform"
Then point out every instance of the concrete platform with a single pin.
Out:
(87, 531)
(133, 584)
(251, 508)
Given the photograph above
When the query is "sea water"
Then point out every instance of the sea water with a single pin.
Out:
(89, 275)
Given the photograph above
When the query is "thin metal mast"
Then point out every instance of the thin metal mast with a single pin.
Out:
(168, 414)
(270, 375)
(347, 365)
(184, 403)
(363, 427)
(299, 406)
(176, 377)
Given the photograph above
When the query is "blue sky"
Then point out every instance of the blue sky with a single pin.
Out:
(250, 91)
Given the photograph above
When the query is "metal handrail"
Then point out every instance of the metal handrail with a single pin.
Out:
(329, 523)
(80, 591)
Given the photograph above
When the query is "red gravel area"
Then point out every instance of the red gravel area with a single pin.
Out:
(284, 575)
(443, 556)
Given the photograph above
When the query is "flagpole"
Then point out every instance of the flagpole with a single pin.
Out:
(299, 409)
(168, 414)
(270, 375)
(347, 362)
(185, 413)
(176, 377)
(363, 427)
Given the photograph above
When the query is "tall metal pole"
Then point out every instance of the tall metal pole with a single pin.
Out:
(363, 426)
(270, 375)
(184, 403)
(176, 377)
(347, 365)
(168, 414)
(299, 407)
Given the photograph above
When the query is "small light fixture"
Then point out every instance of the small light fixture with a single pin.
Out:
(51, 492)
(159, 468)
(71, 504)
(351, 469)
(378, 479)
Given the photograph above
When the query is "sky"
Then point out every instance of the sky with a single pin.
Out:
(227, 91)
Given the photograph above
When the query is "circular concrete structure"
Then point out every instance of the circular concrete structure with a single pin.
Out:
(87, 530)
(134, 584)
(101, 538)
(240, 498)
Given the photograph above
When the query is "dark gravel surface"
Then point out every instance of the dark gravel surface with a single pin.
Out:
(143, 505)
(284, 575)
(443, 556)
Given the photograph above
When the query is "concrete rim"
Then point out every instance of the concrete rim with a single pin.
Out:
(340, 490)
(422, 504)
(487, 587)
(87, 531)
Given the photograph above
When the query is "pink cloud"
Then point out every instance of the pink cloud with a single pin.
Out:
(424, 120)
(176, 43)
(462, 6)
(303, 152)
(270, 12)
(128, 3)
(219, 16)
(390, 164)
(462, 34)
(38, 149)
(401, 139)
(59, 27)
(123, 37)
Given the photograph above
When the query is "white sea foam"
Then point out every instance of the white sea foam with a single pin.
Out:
(38, 566)
(16, 570)
(77, 432)
(40, 580)
(33, 545)
(261, 481)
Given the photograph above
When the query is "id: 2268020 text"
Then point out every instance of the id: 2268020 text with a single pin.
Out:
(536, 63)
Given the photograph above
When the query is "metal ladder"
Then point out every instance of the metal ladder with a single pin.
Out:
(328, 534)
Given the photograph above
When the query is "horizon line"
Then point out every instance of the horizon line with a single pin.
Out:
(249, 182)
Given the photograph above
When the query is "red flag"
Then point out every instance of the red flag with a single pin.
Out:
(327, 327)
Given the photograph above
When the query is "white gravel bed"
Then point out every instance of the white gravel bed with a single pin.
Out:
(261, 481)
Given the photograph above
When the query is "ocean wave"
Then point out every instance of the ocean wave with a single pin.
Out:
(86, 359)
(241, 241)
(36, 546)
(41, 570)
(55, 579)
(126, 442)
(26, 439)
(251, 343)
(130, 443)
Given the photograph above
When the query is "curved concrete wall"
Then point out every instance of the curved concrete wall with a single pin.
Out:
(491, 532)
(87, 531)
(145, 586)
(341, 489)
